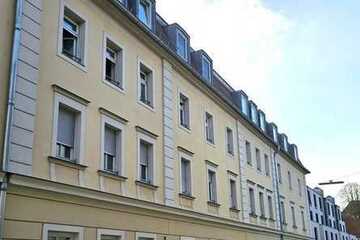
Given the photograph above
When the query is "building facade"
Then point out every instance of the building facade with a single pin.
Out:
(351, 216)
(113, 127)
(326, 221)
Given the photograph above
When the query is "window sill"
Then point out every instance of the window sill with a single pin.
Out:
(72, 62)
(271, 220)
(113, 86)
(230, 155)
(284, 224)
(253, 215)
(212, 144)
(111, 175)
(146, 185)
(233, 209)
(263, 218)
(186, 129)
(147, 106)
(186, 196)
(294, 227)
(213, 204)
(66, 163)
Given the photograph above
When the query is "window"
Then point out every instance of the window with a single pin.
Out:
(252, 202)
(326, 235)
(185, 177)
(107, 234)
(233, 197)
(212, 185)
(62, 232)
(309, 197)
(271, 209)
(209, 128)
(253, 113)
(112, 145)
(283, 213)
(146, 162)
(248, 153)
(184, 111)
(267, 165)
(315, 201)
(303, 219)
(181, 45)
(146, 87)
(300, 187)
(262, 121)
(66, 133)
(206, 69)
(229, 141)
(244, 105)
(279, 172)
(113, 64)
(316, 233)
(289, 179)
(293, 216)
(316, 218)
(258, 160)
(262, 204)
(311, 216)
(145, 236)
(72, 36)
(145, 12)
(285, 143)
(68, 128)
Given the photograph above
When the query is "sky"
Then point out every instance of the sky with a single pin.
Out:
(299, 61)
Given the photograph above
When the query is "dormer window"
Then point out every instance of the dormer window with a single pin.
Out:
(145, 12)
(262, 120)
(274, 133)
(206, 69)
(285, 143)
(254, 114)
(244, 105)
(181, 45)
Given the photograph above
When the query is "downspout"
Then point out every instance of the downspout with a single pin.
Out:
(278, 192)
(10, 110)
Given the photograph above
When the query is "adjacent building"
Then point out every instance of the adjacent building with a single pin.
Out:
(114, 127)
(351, 216)
(326, 221)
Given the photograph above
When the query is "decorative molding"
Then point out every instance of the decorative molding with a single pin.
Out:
(113, 115)
(232, 173)
(65, 163)
(111, 175)
(211, 163)
(69, 94)
(184, 150)
(147, 132)
(189, 197)
(146, 185)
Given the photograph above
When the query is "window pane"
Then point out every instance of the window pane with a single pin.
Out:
(110, 141)
(248, 152)
(181, 45)
(53, 235)
(66, 126)
(144, 12)
(206, 69)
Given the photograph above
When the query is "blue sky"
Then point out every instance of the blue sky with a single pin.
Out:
(298, 60)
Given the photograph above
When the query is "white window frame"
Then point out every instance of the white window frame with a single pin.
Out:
(188, 157)
(211, 167)
(233, 177)
(203, 58)
(182, 35)
(253, 187)
(62, 228)
(83, 36)
(79, 141)
(119, 46)
(231, 154)
(150, 106)
(120, 129)
(150, 23)
(262, 205)
(146, 138)
(110, 232)
(145, 235)
(180, 92)
(213, 128)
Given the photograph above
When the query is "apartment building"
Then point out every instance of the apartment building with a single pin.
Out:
(326, 220)
(114, 127)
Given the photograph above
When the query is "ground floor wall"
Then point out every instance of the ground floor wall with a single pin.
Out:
(29, 211)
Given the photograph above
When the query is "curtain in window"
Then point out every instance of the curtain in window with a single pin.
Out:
(66, 127)
(110, 141)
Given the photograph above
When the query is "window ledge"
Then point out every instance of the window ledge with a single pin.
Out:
(213, 204)
(233, 209)
(271, 219)
(285, 224)
(147, 106)
(66, 163)
(80, 66)
(212, 144)
(187, 196)
(263, 217)
(111, 175)
(186, 129)
(115, 87)
(294, 227)
(146, 185)
(253, 215)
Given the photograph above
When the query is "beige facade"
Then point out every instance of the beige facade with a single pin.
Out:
(47, 194)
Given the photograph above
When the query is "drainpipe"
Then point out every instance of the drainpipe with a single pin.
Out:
(281, 217)
(10, 110)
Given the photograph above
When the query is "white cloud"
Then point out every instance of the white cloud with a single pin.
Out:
(243, 37)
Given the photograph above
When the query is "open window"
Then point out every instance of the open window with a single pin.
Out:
(146, 88)
(113, 64)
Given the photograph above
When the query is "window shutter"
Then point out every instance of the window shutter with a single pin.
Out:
(66, 127)
(110, 141)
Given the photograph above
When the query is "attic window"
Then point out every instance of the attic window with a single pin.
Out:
(262, 121)
(144, 13)
(181, 45)
(254, 114)
(285, 143)
(206, 69)
(244, 105)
